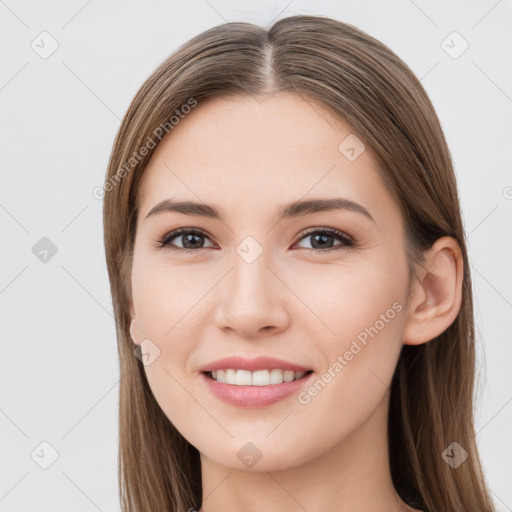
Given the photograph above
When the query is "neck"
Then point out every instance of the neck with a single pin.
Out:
(353, 475)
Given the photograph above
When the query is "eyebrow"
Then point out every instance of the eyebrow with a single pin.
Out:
(295, 209)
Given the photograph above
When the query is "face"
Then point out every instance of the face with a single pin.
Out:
(321, 289)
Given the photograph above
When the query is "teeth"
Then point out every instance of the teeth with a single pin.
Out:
(257, 378)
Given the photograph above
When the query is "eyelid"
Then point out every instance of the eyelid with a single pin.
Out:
(325, 229)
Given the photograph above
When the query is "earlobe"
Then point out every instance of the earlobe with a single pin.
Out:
(436, 300)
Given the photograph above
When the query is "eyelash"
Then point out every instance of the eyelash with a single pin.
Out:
(347, 241)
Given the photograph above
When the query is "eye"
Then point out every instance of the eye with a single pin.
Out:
(321, 239)
(190, 238)
(193, 239)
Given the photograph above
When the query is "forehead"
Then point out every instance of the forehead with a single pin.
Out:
(250, 152)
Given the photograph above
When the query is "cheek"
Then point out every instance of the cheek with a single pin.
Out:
(163, 294)
(164, 304)
(359, 359)
(346, 299)
(360, 312)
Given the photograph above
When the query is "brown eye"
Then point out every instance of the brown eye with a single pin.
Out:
(190, 239)
(322, 239)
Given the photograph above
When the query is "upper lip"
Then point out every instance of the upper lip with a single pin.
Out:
(259, 363)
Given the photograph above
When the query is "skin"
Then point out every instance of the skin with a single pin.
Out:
(247, 157)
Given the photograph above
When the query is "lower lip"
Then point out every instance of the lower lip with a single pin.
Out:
(254, 396)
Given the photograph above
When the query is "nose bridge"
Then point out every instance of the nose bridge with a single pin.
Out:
(251, 299)
(251, 281)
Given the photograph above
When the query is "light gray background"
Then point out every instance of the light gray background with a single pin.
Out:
(59, 116)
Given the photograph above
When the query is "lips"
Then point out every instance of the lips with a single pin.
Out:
(255, 396)
(252, 365)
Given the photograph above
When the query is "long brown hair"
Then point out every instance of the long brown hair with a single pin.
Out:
(364, 82)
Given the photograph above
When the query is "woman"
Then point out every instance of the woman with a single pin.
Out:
(287, 258)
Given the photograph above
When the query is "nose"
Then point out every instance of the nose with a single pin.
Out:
(253, 300)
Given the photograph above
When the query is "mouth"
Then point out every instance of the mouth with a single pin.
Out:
(259, 378)
(257, 382)
(257, 389)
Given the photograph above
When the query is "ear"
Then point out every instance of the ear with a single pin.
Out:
(134, 328)
(435, 300)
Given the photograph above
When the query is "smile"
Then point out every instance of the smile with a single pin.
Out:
(256, 378)
(242, 394)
